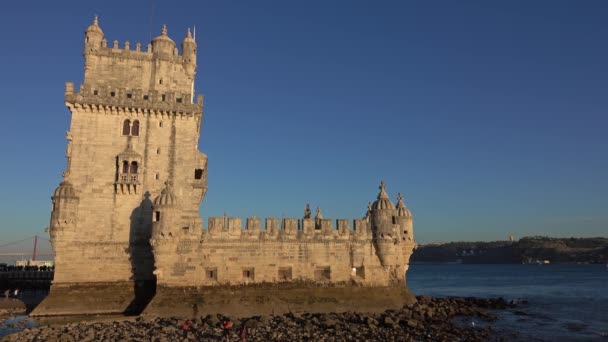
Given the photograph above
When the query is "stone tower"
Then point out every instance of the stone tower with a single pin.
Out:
(132, 151)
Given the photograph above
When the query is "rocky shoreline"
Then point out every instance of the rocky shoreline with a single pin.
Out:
(430, 319)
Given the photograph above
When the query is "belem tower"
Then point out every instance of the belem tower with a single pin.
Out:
(125, 225)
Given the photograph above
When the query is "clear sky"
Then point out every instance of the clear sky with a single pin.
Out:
(489, 116)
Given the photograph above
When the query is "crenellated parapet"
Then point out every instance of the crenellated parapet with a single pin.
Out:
(133, 100)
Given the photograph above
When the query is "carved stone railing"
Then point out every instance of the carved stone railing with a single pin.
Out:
(128, 178)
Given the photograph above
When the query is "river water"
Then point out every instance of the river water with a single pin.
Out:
(565, 302)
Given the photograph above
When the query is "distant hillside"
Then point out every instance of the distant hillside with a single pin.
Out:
(526, 250)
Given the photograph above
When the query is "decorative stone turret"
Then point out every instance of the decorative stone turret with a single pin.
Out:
(383, 229)
(93, 37)
(163, 46)
(165, 211)
(64, 209)
(189, 54)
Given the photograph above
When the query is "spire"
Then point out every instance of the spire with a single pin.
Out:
(96, 20)
(319, 216)
(400, 203)
(188, 35)
(402, 210)
(307, 212)
(164, 30)
(382, 194)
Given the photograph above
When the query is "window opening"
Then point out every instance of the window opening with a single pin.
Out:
(284, 273)
(129, 96)
(211, 273)
(323, 273)
(163, 98)
(134, 167)
(146, 97)
(198, 173)
(112, 94)
(135, 128)
(126, 127)
(157, 216)
(125, 167)
(95, 92)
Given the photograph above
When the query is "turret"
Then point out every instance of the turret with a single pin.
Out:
(189, 54)
(405, 220)
(163, 46)
(165, 214)
(383, 227)
(93, 36)
(64, 208)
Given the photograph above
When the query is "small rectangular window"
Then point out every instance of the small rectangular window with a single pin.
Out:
(146, 97)
(95, 92)
(322, 273)
(248, 273)
(178, 100)
(163, 98)
(112, 94)
(284, 273)
(211, 273)
(129, 96)
(198, 173)
(157, 216)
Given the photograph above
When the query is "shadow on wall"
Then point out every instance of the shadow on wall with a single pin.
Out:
(141, 257)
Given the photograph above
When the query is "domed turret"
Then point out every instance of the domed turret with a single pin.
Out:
(64, 190)
(166, 197)
(64, 209)
(93, 36)
(189, 54)
(163, 45)
(402, 210)
(383, 202)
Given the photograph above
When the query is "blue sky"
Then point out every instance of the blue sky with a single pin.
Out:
(490, 117)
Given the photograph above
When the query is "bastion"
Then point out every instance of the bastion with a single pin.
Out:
(125, 225)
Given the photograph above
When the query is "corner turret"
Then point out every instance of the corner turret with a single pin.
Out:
(64, 209)
(189, 54)
(164, 213)
(383, 227)
(163, 46)
(93, 37)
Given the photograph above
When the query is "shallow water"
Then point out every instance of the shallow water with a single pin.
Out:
(565, 302)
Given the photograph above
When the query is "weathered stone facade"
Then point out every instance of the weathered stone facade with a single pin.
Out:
(126, 215)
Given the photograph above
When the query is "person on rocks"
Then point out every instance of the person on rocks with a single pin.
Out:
(226, 326)
(186, 326)
(6, 293)
(16, 293)
(243, 333)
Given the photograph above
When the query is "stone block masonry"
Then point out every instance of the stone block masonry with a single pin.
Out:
(125, 226)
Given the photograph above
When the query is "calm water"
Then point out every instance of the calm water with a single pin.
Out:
(565, 302)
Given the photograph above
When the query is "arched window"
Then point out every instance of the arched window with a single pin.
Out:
(126, 127)
(135, 128)
(133, 167)
(125, 167)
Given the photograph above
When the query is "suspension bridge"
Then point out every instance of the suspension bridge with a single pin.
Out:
(32, 248)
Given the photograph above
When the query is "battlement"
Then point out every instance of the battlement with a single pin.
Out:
(158, 67)
(153, 100)
(231, 228)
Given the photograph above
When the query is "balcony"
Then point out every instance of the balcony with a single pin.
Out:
(128, 178)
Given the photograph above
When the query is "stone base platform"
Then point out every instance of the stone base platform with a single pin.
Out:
(95, 298)
(267, 299)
